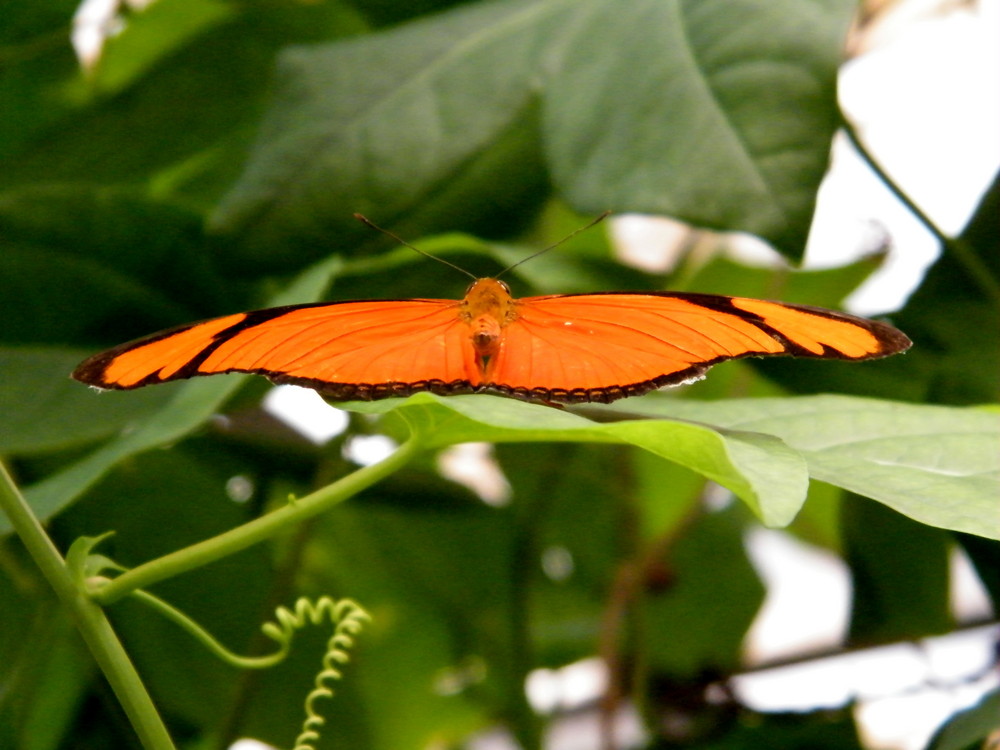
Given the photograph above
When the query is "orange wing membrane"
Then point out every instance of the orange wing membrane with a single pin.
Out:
(563, 348)
(602, 347)
(349, 350)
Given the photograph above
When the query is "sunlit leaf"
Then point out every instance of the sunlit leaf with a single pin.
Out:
(938, 465)
(758, 468)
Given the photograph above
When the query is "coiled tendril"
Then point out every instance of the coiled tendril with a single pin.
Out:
(346, 615)
(348, 618)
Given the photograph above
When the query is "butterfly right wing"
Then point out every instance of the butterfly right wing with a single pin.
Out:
(602, 347)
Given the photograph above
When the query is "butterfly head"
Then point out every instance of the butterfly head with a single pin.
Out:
(487, 288)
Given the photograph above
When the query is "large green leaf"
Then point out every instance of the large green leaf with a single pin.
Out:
(938, 465)
(758, 468)
(720, 113)
(387, 123)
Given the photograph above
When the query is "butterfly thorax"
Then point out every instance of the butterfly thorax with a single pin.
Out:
(487, 309)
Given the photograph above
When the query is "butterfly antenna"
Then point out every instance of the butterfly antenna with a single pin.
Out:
(565, 239)
(368, 222)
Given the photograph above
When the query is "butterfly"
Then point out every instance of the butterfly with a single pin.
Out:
(567, 348)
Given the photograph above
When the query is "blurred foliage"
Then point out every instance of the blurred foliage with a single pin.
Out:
(211, 161)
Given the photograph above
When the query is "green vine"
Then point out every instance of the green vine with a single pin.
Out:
(257, 530)
(347, 616)
(81, 584)
(65, 577)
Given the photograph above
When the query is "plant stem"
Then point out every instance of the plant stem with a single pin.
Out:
(257, 530)
(89, 618)
(964, 254)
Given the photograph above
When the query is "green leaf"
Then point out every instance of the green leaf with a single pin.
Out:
(191, 405)
(711, 589)
(447, 92)
(899, 572)
(758, 468)
(181, 99)
(938, 465)
(152, 33)
(112, 264)
(721, 113)
(44, 410)
(46, 668)
(970, 728)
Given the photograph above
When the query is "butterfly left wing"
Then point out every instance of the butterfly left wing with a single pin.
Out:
(602, 347)
(362, 350)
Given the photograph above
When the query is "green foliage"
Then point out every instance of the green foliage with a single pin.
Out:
(211, 162)
(969, 728)
(494, 89)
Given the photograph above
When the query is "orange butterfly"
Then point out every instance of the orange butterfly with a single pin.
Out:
(567, 348)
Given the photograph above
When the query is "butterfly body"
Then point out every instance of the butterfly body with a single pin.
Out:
(488, 308)
(556, 349)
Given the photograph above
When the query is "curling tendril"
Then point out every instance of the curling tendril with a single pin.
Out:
(348, 618)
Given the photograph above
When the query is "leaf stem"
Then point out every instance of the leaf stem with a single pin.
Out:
(964, 254)
(206, 639)
(89, 618)
(257, 530)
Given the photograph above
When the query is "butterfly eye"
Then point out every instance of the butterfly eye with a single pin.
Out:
(503, 284)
